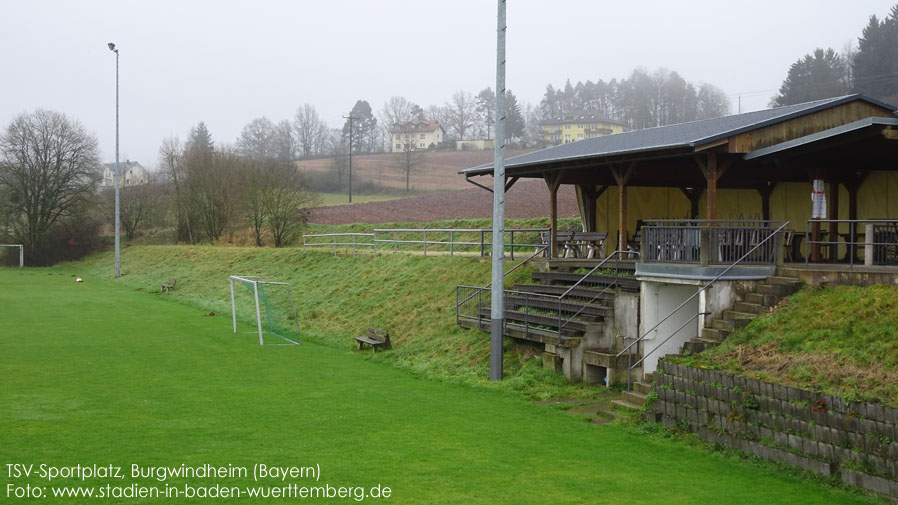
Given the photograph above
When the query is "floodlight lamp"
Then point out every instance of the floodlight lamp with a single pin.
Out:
(112, 47)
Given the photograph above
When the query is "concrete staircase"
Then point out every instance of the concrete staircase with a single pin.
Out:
(635, 399)
(766, 295)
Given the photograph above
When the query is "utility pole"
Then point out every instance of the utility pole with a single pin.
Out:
(350, 117)
(497, 304)
(116, 175)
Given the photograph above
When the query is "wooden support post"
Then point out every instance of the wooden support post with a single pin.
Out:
(713, 171)
(834, 214)
(765, 192)
(622, 177)
(553, 180)
(693, 195)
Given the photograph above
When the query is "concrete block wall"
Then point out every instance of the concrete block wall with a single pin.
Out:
(824, 434)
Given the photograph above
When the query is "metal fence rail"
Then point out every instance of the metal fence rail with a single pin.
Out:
(682, 241)
(432, 240)
(341, 240)
(863, 241)
(452, 240)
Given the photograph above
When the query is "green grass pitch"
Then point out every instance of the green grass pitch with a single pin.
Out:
(96, 373)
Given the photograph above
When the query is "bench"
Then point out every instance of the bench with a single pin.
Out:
(170, 285)
(375, 338)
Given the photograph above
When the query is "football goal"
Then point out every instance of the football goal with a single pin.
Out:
(272, 305)
(21, 252)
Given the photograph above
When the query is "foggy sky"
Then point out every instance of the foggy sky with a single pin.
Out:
(227, 62)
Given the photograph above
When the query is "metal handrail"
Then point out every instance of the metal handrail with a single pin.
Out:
(703, 288)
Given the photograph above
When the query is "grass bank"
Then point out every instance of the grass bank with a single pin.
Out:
(840, 340)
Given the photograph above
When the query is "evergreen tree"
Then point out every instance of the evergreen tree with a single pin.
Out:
(486, 109)
(514, 126)
(364, 127)
(199, 137)
(875, 64)
(821, 75)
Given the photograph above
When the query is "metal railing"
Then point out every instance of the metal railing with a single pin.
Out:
(341, 240)
(551, 314)
(683, 241)
(452, 240)
(642, 337)
(433, 240)
(877, 238)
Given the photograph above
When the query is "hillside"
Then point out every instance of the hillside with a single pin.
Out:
(525, 200)
(438, 170)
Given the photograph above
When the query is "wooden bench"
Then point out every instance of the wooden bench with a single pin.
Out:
(375, 338)
(170, 285)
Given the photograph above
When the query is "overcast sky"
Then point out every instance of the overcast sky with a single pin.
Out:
(227, 62)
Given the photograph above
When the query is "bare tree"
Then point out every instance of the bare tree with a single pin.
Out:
(283, 143)
(408, 154)
(310, 131)
(461, 113)
(287, 196)
(257, 139)
(171, 157)
(486, 110)
(49, 166)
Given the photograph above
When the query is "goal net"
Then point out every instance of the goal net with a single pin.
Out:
(270, 304)
(15, 252)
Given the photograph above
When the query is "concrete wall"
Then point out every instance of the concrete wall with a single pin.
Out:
(824, 434)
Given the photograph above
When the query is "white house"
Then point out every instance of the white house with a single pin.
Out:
(133, 174)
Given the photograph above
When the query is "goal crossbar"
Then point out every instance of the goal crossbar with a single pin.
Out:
(21, 252)
(255, 281)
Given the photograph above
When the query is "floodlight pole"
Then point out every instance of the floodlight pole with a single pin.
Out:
(116, 176)
(350, 117)
(497, 305)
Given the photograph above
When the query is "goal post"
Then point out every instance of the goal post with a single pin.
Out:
(277, 316)
(21, 253)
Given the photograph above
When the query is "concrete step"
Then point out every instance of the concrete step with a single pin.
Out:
(694, 346)
(777, 290)
(776, 279)
(625, 405)
(573, 328)
(642, 387)
(715, 334)
(595, 281)
(748, 307)
(736, 314)
(634, 397)
(761, 299)
(720, 324)
(583, 310)
(595, 296)
(649, 378)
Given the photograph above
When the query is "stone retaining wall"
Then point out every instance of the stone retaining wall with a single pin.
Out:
(855, 441)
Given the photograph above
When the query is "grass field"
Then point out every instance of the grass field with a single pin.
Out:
(102, 373)
(328, 199)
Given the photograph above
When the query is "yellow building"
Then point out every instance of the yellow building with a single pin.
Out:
(578, 125)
